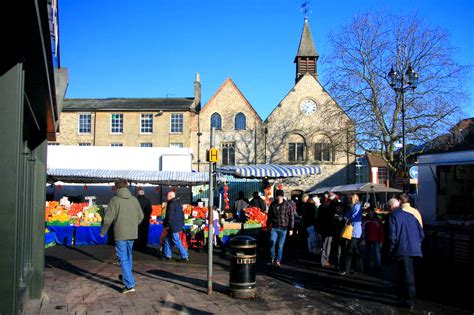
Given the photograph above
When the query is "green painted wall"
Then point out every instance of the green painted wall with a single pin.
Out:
(11, 122)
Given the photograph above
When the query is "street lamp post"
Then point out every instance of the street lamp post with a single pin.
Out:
(401, 83)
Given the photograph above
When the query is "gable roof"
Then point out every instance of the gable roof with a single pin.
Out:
(128, 104)
(229, 81)
(306, 47)
(325, 91)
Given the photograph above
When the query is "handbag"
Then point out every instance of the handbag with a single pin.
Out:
(347, 231)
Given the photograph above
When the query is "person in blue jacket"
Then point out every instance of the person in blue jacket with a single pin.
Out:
(352, 252)
(174, 222)
(405, 235)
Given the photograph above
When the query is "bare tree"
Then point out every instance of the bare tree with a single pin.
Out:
(361, 55)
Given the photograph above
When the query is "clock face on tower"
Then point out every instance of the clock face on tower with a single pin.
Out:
(308, 107)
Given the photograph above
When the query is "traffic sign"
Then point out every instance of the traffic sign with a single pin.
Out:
(213, 155)
(413, 172)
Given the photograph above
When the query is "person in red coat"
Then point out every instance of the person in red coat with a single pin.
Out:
(374, 236)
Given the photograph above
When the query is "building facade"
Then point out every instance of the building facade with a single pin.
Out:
(32, 86)
(136, 122)
(307, 127)
(238, 128)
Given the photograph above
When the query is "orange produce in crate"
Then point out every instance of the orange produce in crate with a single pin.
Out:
(156, 210)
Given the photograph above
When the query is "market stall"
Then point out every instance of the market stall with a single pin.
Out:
(80, 223)
(264, 173)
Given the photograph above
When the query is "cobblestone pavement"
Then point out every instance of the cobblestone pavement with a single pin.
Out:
(92, 286)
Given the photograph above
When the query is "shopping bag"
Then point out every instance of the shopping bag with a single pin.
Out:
(347, 231)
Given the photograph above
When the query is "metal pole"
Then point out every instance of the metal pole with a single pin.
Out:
(210, 218)
(403, 140)
(265, 131)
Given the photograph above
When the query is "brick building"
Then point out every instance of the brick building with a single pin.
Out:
(307, 127)
(145, 122)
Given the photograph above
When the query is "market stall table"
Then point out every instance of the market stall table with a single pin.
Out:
(64, 235)
(89, 235)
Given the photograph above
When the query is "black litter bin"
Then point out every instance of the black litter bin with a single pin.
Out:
(243, 267)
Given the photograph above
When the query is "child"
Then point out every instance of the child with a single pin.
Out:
(373, 231)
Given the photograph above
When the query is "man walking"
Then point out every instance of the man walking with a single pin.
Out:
(281, 220)
(174, 222)
(124, 213)
(404, 243)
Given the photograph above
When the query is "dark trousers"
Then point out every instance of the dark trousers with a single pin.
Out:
(353, 254)
(406, 279)
(326, 250)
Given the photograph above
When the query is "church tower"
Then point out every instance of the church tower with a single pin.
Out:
(307, 56)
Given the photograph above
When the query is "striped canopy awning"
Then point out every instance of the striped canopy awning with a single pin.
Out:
(269, 171)
(141, 176)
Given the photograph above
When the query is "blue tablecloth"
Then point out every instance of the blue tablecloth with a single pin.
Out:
(49, 239)
(89, 235)
(154, 234)
(64, 235)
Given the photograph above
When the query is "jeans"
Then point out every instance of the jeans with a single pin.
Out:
(372, 250)
(277, 235)
(174, 239)
(124, 254)
(311, 240)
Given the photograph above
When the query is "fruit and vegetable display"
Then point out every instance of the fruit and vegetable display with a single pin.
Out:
(69, 213)
(256, 216)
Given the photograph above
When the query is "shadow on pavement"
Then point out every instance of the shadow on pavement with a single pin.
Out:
(183, 281)
(184, 309)
(69, 267)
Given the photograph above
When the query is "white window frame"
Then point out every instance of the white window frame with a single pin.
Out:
(141, 124)
(79, 124)
(146, 146)
(171, 123)
(111, 119)
(176, 145)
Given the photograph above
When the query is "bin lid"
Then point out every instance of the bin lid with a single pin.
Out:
(243, 240)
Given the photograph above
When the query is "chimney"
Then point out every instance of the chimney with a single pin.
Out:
(197, 93)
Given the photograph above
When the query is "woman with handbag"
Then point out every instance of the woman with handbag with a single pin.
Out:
(352, 252)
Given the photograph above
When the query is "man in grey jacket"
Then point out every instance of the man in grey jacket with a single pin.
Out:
(125, 213)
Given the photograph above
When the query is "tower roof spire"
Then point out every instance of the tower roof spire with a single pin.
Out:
(306, 47)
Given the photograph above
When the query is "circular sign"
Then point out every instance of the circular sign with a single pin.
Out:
(413, 172)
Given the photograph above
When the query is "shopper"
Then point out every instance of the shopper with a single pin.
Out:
(373, 234)
(174, 223)
(144, 227)
(240, 204)
(258, 202)
(354, 218)
(281, 221)
(404, 244)
(325, 225)
(309, 216)
(406, 206)
(124, 213)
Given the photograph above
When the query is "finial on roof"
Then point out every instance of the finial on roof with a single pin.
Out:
(305, 9)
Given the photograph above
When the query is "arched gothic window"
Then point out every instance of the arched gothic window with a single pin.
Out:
(216, 121)
(240, 122)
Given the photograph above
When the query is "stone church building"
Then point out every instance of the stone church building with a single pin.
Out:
(307, 127)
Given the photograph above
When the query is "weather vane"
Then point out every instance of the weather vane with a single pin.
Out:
(305, 8)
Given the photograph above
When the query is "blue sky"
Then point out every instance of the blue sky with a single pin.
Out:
(153, 48)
